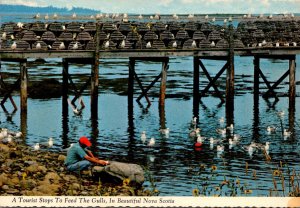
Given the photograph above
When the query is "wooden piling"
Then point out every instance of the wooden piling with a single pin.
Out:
(255, 126)
(95, 75)
(24, 82)
(163, 81)
(196, 87)
(292, 84)
(230, 80)
(65, 87)
(131, 66)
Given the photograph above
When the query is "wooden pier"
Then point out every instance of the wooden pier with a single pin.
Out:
(89, 42)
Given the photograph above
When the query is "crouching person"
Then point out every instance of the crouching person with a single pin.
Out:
(80, 158)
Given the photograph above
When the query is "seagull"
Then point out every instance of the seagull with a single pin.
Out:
(286, 44)
(143, 136)
(281, 113)
(75, 46)
(230, 128)
(74, 15)
(46, 16)
(236, 137)
(4, 36)
(140, 17)
(38, 46)
(264, 42)
(9, 138)
(36, 146)
(92, 17)
(294, 43)
(63, 27)
(74, 36)
(220, 148)
(195, 132)
(261, 15)
(271, 129)
(175, 16)
(174, 45)
(148, 45)
(20, 25)
(12, 37)
(212, 44)
(106, 44)
(18, 134)
(157, 17)
(165, 131)
(55, 16)
(106, 15)
(37, 16)
(151, 142)
(259, 44)
(225, 21)
(270, 16)
(230, 19)
(194, 45)
(194, 121)
(50, 142)
(151, 17)
(14, 45)
(49, 47)
(82, 27)
(122, 45)
(221, 120)
(191, 16)
(250, 148)
(286, 133)
(206, 17)
(62, 46)
(222, 132)
(213, 19)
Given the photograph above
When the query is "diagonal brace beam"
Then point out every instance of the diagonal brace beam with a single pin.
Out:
(212, 81)
(144, 92)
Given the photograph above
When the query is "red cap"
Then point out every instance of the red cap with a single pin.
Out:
(85, 141)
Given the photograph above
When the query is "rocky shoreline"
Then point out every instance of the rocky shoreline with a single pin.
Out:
(27, 172)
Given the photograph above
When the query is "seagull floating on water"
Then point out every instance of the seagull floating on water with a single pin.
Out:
(286, 133)
(271, 129)
(50, 142)
(143, 136)
(151, 142)
(221, 131)
(194, 132)
(36, 146)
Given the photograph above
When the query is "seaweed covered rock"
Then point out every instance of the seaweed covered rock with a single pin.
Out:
(118, 172)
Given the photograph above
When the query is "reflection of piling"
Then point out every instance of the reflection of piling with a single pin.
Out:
(23, 123)
(162, 117)
(292, 85)
(65, 106)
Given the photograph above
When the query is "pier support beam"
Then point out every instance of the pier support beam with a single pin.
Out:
(230, 80)
(196, 88)
(255, 126)
(95, 76)
(163, 81)
(24, 83)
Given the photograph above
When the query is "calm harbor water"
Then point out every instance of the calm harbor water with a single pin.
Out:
(172, 163)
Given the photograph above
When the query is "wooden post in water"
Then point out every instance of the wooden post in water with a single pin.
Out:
(196, 88)
(163, 81)
(131, 66)
(24, 83)
(65, 105)
(292, 87)
(95, 76)
(230, 80)
(256, 98)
